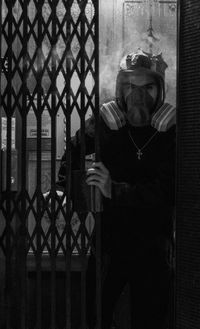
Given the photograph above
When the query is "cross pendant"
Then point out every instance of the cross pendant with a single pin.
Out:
(139, 154)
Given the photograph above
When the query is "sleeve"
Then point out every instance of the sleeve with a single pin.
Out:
(76, 147)
(159, 191)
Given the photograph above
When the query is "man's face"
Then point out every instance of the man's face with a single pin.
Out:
(140, 93)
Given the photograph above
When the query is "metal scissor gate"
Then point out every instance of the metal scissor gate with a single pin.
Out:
(49, 82)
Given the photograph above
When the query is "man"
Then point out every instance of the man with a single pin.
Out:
(136, 178)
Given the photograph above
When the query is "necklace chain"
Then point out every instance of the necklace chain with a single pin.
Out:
(139, 150)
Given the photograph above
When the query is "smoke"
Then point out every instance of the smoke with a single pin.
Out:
(167, 46)
(108, 74)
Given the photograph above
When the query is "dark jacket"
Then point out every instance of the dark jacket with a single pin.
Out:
(143, 191)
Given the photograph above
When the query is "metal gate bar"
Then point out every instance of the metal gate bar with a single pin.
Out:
(53, 6)
(68, 171)
(82, 117)
(39, 92)
(8, 279)
(97, 152)
(22, 250)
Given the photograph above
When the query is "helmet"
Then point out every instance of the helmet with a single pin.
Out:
(150, 64)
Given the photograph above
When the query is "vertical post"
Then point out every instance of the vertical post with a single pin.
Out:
(8, 254)
(97, 153)
(0, 96)
(39, 164)
(82, 160)
(53, 169)
(22, 250)
(1, 173)
(68, 167)
(187, 288)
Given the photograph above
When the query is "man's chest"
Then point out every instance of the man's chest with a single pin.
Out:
(129, 162)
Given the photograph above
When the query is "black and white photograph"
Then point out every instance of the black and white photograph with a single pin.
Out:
(99, 164)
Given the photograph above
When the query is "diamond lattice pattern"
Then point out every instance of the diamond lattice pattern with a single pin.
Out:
(48, 72)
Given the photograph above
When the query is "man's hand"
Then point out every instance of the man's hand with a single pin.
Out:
(98, 175)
